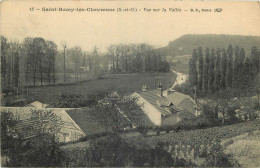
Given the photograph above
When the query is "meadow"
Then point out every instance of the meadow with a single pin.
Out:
(123, 83)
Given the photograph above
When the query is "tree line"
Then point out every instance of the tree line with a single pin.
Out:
(220, 69)
(32, 60)
(36, 61)
(133, 58)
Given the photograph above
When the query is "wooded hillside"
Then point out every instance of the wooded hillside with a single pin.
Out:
(186, 43)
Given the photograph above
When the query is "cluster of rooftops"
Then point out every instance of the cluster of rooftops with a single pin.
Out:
(165, 102)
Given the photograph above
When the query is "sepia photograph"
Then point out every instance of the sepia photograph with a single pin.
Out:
(151, 83)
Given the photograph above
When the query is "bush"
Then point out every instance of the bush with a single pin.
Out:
(75, 100)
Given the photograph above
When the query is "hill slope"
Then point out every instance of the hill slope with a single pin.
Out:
(186, 43)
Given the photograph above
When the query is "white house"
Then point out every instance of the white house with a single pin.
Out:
(168, 109)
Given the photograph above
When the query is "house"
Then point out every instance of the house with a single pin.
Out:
(28, 127)
(168, 109)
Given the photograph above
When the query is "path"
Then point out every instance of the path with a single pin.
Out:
(180, 79)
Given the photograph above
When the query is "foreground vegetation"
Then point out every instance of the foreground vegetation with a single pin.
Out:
(184, 148)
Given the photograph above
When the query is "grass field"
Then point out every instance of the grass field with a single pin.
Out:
(124, 83)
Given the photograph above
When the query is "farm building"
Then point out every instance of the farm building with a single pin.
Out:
(29, 127)
(168, 109)
(75, 123)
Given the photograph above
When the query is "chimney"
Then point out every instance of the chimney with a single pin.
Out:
(170, 91)
(160, 90)
(144, 88)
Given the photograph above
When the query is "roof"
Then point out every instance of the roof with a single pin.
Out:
(97, 119)
(177, 97)
(28, 127)
(164, 102)
(22, 113)
(171, 103)
(153, 97)
(37, 104)
(86, 122)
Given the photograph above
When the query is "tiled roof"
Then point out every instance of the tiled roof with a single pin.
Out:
(28, 127)
(164, 102)
(177, 97)
(173, 102)
(94, 120)
(153, 97)
(86, 122)
(22, 113)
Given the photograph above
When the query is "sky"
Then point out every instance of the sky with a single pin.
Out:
(90, 29)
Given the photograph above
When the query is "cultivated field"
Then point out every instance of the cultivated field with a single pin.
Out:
(199, 136)
(246, 150)
(124, 83)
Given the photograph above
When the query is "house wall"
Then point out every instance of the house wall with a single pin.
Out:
(170, 119)
(70, 131)
(68, 135)
(153, 114)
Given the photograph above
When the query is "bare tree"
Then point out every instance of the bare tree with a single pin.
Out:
(51, 53)
(64, 45)
(28, 46)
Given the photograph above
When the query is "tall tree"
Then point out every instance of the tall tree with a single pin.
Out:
(211, 71)
(111, 51)
(4, 48)
(230, 66)
(248, 73)
(223, 69)
(205, 71)
(201, 66)
(28, 47)
(14, 65)
(38, 54)
(241, 67)
(193, 74)
(51, 52)
(236, 67)
(255, 59)
(257, 87)
(217, 75)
